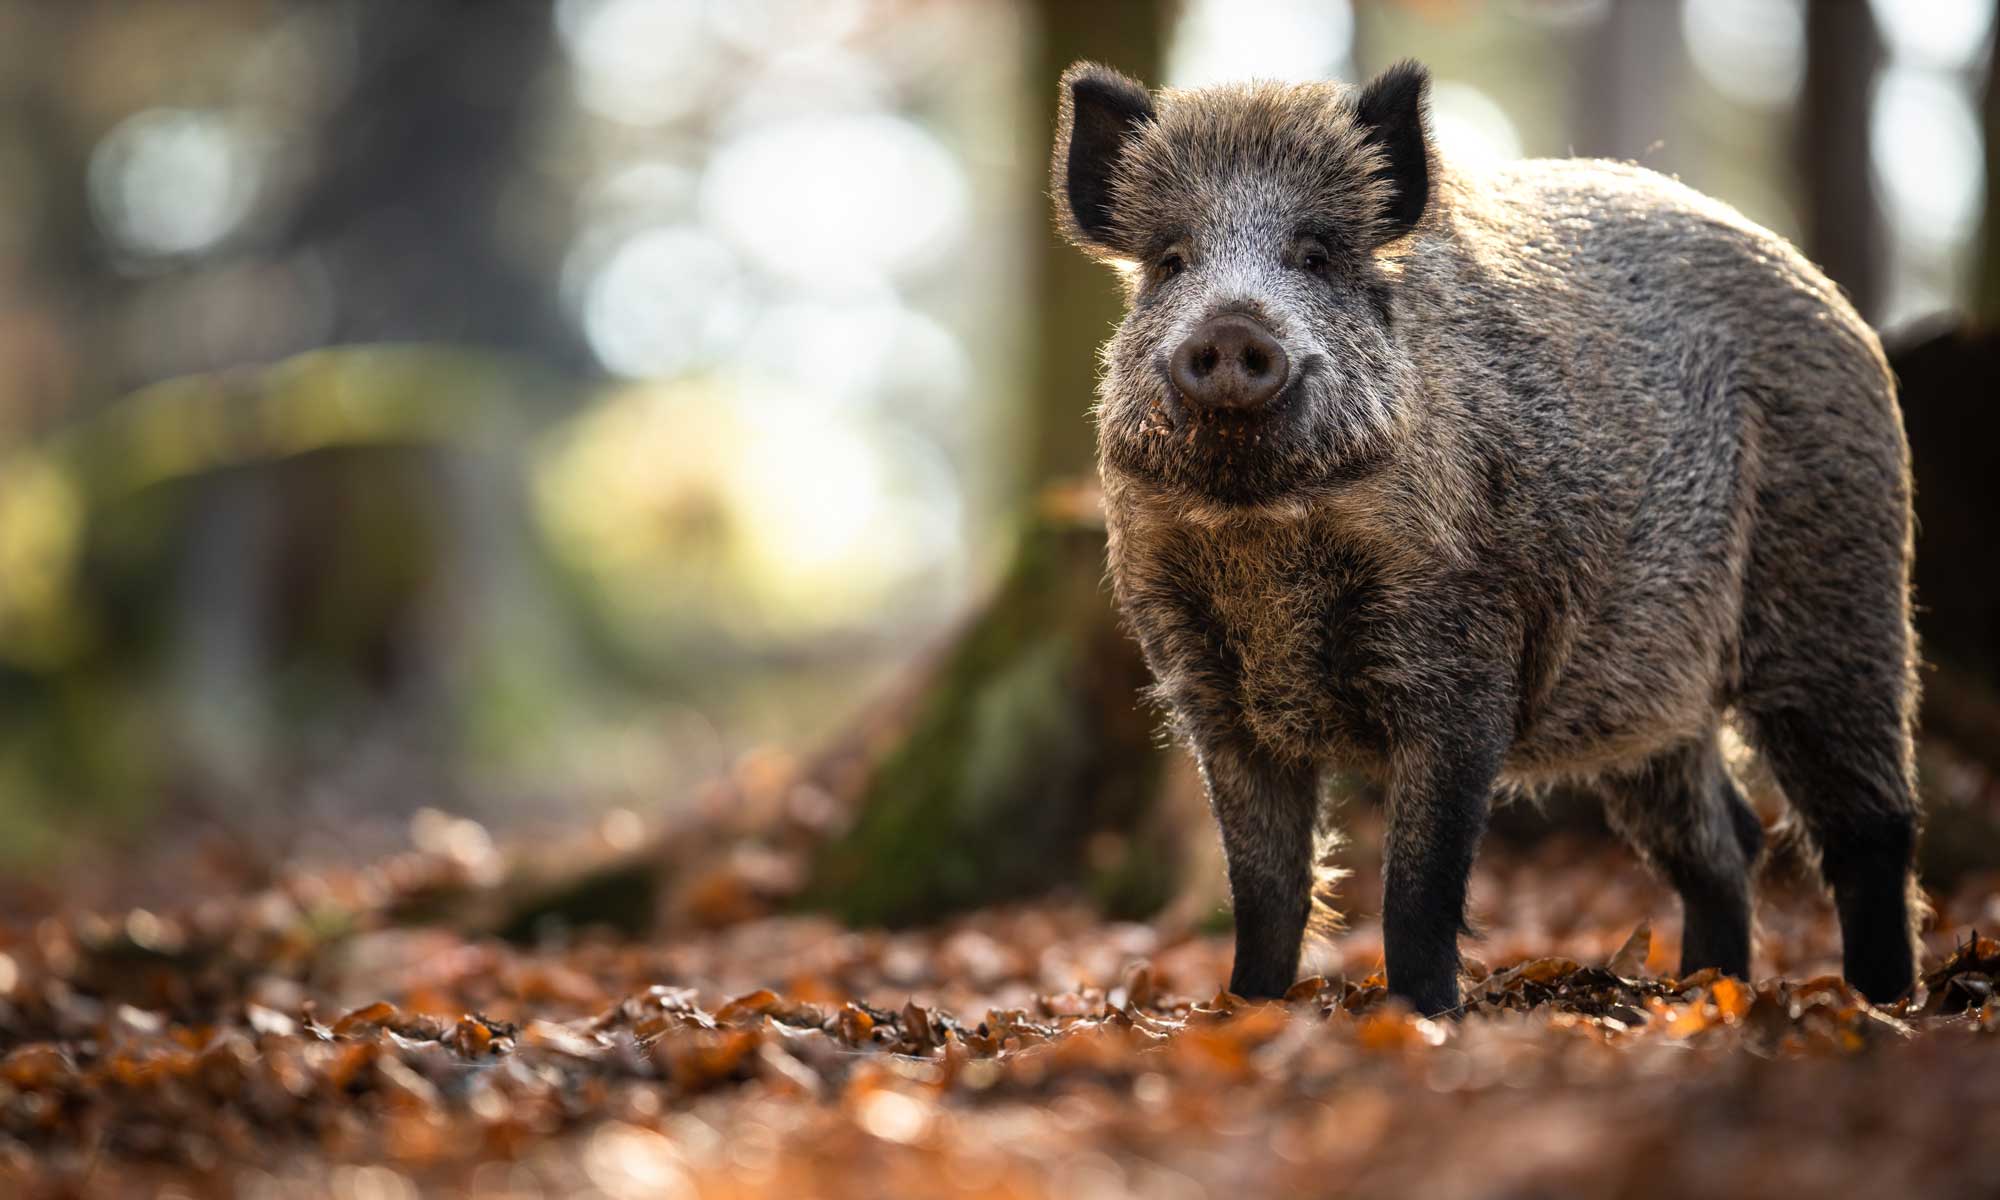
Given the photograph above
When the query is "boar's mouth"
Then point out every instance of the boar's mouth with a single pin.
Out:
(1235, 456)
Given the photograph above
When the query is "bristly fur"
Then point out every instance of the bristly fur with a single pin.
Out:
(1572, 461)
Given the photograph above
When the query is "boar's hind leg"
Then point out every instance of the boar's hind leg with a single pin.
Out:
(1843, 766)
(1826, 648)
(1684, 816)
(1266, 811)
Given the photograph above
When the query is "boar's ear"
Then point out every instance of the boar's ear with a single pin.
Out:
(1098, 110)
(1392, 112)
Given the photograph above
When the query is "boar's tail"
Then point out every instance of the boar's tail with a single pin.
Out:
(1325, 920)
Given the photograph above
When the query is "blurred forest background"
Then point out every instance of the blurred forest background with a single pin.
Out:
(537, 412)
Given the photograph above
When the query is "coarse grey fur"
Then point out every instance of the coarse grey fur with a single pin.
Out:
(1573, 466)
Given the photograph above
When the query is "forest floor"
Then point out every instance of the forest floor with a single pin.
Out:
(304, 1037)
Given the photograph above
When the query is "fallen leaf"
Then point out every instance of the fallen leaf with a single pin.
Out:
(1629, 960)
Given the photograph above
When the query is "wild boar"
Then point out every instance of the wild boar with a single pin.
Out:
(1479, 481)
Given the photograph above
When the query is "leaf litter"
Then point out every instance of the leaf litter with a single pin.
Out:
(301, 1040)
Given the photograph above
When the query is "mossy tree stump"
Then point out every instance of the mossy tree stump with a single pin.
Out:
(1027, 761)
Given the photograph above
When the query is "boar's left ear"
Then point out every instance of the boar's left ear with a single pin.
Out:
(1391, 110)
(1098, 110)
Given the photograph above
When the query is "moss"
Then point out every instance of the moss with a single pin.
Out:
(1028, 742)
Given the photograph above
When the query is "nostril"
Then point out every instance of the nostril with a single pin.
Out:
(1230, 362)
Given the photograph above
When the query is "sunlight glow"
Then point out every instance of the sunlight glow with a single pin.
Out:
(666, 300)
(1752, 51)
(1947, 34)
(1471, 127)
(864, 510)
(755, 26)
(764, 251)
(176, 181)
(1927, 154)
(638, 61)
(880, 356)
(1226, 41)
(752, 511)
(834, 202)
(831, 496)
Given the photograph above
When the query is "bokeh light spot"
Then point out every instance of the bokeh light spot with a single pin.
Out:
(836, 202)
(664, 301)
(176, 181)
(1227, 41)
(1926, 149)
(1752, 51)
(641, 62)
(1470, 126)
(1937, 33)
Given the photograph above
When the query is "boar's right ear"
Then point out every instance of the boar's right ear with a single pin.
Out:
(1098, 110)
(1391, 110)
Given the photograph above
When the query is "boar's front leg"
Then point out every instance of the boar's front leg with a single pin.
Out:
(1438, 800)
(1266, 810)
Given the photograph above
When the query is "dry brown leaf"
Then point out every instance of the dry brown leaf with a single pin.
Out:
(366, 1017)
(1629, 960)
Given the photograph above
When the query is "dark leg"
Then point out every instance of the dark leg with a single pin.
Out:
(1437, 813)
(1266, 811)
(1847, 776)
(1826, 647)
(1686, 819)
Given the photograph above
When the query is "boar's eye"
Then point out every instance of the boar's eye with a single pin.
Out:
(1313, 259)
(1170, 265)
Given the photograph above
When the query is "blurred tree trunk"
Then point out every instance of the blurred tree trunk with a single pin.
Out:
(1620, 106)
(1078, 301)
(1946, 378)
(1025, 760)
(417, 172)
(1843, 229)
(405, 214)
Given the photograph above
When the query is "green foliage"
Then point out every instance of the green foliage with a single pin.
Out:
(329, 476)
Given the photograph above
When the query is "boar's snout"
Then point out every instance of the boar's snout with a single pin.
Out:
(1229, 362)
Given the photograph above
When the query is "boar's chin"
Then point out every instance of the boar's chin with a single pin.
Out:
(1194, 466)
(1235, 460)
